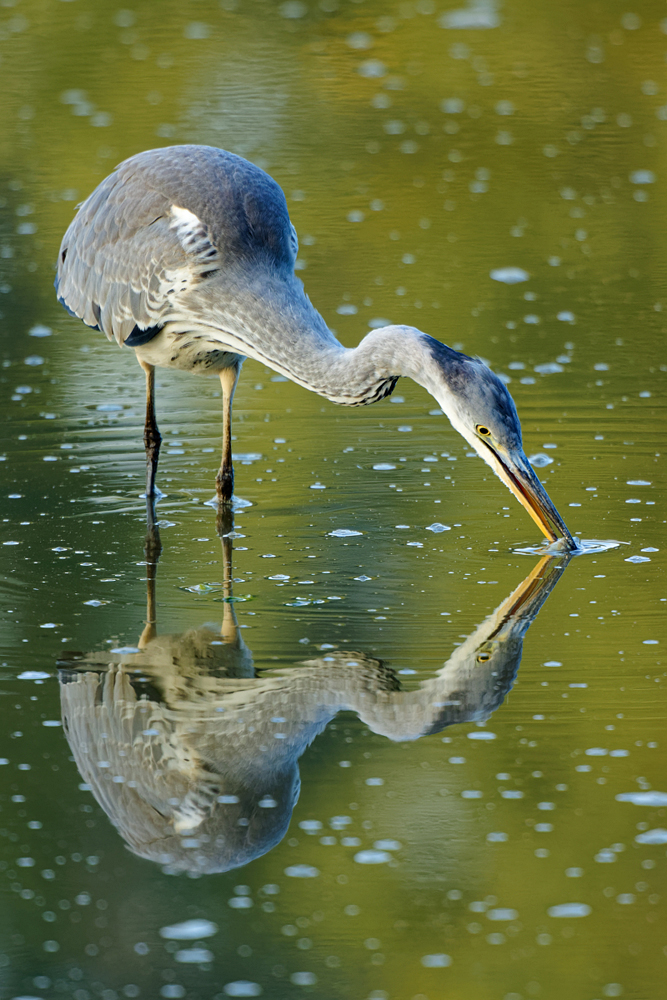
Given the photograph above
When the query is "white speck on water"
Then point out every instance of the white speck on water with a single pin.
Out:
(33, 360)
(552, 663)
(344, 533)
(49, 625)
(437, 527)
(375, 781)
(301, 871)
(497, 838)
(240, 903)
(601, 367)
(125, 650)
(377, 324)
(347, 309)
(404, 429)
(52, 723)
(502, 913)
(303, 978)
(540, 460)
(642, 177)
(481, 734)
(654, 799)
(511, 793)
(363, 579)
(548, 368)
(387, 845)
(25, 862)
(650, 642)
(384, 467)
(372, 857)
(311, 826)
(317, 486)
(194, 956)
(596, 752)
(439, 961)
(569, 910)
(189, 930)
(638, 482)
(95, 604)
(416, 545)
(242, 988)
(565, 316)
(532, 320)
(605, 857)
(33, 675)
(637, 559)
(656, 836)
(278, 576)
(472, 793)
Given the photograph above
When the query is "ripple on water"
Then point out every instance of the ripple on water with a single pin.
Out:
(585, 546)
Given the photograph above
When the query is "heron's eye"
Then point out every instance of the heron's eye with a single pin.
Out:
(484, 431)
(483, 657)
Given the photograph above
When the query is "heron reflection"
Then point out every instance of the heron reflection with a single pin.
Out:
(193, 754)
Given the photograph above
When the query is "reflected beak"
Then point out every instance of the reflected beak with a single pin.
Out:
(517, 473)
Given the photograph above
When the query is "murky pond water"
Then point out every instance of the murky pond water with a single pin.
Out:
(370, 744)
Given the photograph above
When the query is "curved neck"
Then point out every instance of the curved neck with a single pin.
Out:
(272, 320)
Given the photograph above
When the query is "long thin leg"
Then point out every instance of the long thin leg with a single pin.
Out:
(152, 551)
(225, 479)
(152, 437)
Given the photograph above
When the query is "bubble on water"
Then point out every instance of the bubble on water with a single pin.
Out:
(497, 837)
(656, 836)
(240, 903)
(384, 467)
(478, 15)
(563, 910)
(303, 978)
(189, 930)
(637, 559)
(509, 275)
(642, 177)
(34, 360)
(39, 331)
(503, 913)
(372, 857)
(437, 527)
(301, 871)
(387, 845)
(565, 316)
(481, 735)
(548, 368)
(438, 961)
(540, 460)
(638, 482)
(344, 533)
(654, 799)
(33, 675)
(194, 956)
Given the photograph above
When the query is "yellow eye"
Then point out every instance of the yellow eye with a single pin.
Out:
(483, 657)
(482, 430)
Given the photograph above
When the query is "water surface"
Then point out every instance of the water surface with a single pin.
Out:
(492, 828)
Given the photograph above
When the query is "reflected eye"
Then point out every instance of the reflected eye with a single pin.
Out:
(483, 657)
(483, 431)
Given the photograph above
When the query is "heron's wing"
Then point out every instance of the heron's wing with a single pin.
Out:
(128, 254)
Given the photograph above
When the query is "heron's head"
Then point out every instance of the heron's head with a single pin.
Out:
(481, 409)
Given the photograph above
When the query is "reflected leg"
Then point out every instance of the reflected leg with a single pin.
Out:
(152, 437)
(225, 479)
(152, 552)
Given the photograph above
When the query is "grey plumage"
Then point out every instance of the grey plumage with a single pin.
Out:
(187, 253)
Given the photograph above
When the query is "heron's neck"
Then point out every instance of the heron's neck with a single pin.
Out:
(277, 325)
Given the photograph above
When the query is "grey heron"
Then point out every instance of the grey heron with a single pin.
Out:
(186, 254)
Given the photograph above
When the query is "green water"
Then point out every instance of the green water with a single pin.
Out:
(458, 832)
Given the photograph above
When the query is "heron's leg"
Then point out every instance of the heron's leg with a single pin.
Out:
(225, 479)
(152, 437)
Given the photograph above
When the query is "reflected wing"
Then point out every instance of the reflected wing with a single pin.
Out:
(143, 776)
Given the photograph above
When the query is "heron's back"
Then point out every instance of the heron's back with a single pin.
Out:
(162, 222)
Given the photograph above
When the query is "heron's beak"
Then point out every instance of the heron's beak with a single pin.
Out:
(517, 473)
